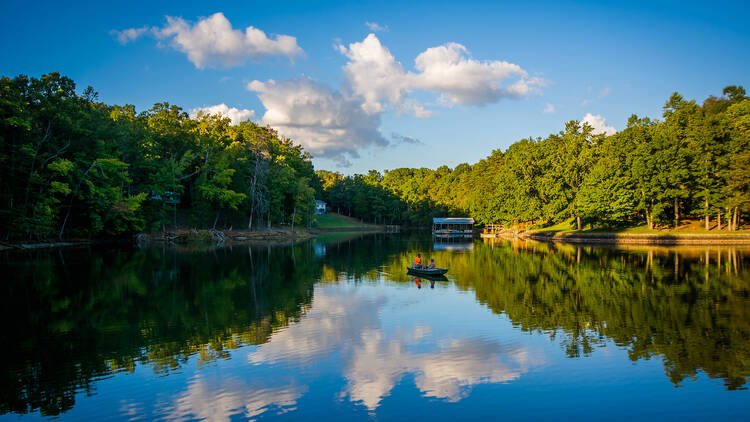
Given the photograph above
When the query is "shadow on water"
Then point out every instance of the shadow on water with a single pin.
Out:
(81, 315)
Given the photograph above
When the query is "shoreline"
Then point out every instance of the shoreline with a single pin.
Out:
(641, 238)
(28, 246)
(178, 237)
(351, 229)
(183, 237)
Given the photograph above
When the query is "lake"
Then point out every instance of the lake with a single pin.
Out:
(334, 329)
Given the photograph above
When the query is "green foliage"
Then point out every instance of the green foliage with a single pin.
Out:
(694, 162)
(71, 166)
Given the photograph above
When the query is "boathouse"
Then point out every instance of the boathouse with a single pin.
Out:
(453, 227)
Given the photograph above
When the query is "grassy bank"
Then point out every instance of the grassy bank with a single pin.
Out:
(689, 232)
(332, 222)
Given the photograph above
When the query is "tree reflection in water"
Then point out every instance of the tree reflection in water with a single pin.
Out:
(84, 314)
(80, 315)
(688, 305)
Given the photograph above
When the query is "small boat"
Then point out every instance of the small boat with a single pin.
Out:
(427, 271)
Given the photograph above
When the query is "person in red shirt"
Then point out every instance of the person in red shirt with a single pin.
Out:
(418, 261)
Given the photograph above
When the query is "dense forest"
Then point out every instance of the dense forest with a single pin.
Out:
(71, 166)
(693, 163)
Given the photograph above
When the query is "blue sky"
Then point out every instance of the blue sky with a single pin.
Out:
(490, 70)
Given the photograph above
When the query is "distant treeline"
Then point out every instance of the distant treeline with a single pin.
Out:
(73, 166)
(695, 162)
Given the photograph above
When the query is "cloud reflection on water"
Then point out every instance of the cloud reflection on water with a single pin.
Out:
(335, 320)
(348, 324)
(217, 399)
(448, 373)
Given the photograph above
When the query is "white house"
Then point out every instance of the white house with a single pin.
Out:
(320, 207)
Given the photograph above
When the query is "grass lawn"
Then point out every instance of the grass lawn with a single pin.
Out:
(337, 221)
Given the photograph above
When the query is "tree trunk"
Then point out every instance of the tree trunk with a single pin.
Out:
(33, 159)
(734, 220)
(707, 219)
(65, 221)
(250, 221)
(252, 194)
(718, 220)
(294, 214)
(649, 222)
(72, 196)
(216, 220)
(676, 213)
(578, 222)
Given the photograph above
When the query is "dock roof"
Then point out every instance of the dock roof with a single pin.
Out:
(453, 220)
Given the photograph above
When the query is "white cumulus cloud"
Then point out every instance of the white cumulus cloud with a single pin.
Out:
(375, 27)
(548, 109)
(374, 74)
(450, 71)
(234, 114)
(324, 121)
(447, 70)
(338, 124)
(212, 41)
(127, 35)
(416, 109)
(598, 124)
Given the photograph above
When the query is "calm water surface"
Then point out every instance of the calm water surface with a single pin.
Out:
(334, 329)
